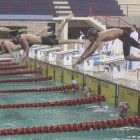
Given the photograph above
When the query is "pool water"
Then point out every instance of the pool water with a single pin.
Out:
(29, 117)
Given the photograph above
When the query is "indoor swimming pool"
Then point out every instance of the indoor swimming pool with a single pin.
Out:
(41, 116)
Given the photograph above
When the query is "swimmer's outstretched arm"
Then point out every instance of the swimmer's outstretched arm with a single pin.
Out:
(26, 50)
(93, 49)
(85, 53)
(10, 51)
(8, 46)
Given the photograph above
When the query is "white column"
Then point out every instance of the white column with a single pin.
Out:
(64, 35)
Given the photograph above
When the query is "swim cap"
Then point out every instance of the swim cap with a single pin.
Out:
(15, 40)
(88, 89)
(92, 32)
(125, 105)
(38, 67)
(74, 82)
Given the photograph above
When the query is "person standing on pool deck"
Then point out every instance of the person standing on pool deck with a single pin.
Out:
(81, 46)
(123, 108)
(51, 40)
(133, 50)
(96, 38)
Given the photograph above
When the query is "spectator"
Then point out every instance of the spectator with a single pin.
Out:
(108, 48)
(81, 46)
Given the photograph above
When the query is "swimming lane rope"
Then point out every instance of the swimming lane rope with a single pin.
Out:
(59, 88)
(8, 60)
(20, 72)
(7, 64)
(13, 67)
(76, 127)
(28, 79)
(80, 101)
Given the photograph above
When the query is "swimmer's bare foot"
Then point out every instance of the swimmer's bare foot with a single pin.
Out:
(69, 17)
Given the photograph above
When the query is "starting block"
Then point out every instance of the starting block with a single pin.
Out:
(49, 54)
(66, 56)
(111, 62)
(34, 49)
(40, 52)
(87, 64)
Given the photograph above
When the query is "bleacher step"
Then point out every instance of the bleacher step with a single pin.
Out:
(60, 2)
(63, 12)
(62, 7)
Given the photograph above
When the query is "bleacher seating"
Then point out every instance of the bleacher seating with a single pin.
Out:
(100, 7)
(129, 7)
(41, 7)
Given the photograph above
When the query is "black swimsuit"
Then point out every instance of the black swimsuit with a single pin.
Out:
(49, 40)
(127, 43)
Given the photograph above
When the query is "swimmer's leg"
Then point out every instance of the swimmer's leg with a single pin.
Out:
(58, 32)
(127, 42)
(132, 58)
(69, 41)
(134, 43)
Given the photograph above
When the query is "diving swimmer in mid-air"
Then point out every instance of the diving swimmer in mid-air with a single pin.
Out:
(26, 39)
(96, 38)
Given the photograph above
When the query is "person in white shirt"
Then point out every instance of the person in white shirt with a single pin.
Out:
(81, 46)
(133, 50)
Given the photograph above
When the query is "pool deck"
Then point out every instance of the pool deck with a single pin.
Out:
(124, 77)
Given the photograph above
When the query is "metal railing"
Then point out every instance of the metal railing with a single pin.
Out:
(90, 9)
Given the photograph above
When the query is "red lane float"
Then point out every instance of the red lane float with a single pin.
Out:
(14, 67)
(76, 127)
(20, 72)
(80, 101)
(7, 64)
(59, 88)
(27, 80)
(8, 60)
